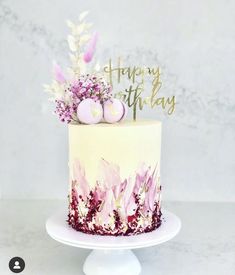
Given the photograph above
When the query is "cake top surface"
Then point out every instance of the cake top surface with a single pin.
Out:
(125, 123)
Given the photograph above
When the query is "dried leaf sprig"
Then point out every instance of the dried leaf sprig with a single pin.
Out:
(77, 40)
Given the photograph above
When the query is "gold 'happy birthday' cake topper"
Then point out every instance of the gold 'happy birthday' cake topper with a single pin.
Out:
(133, 95)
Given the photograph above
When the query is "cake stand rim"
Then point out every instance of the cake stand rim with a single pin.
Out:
(59, 230)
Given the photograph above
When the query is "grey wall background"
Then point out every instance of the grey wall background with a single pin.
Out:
(192, 41)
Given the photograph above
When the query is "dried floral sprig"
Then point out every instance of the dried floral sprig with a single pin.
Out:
(68, 92)
(90, 86)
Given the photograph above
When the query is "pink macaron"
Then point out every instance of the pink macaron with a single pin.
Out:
(89, 111)
(114, 110)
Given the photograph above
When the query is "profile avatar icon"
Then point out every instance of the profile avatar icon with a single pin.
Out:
(16, 265)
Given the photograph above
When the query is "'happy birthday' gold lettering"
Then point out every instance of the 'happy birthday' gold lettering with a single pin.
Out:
(133, 95)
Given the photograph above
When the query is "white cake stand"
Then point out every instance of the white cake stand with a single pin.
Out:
(112, 255)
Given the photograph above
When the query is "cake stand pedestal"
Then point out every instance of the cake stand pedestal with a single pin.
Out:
(112, 255)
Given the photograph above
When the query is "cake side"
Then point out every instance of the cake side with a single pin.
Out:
(115, 177)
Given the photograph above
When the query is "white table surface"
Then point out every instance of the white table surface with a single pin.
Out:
(205, 245)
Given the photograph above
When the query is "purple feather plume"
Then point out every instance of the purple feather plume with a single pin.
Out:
(90, 50)
(58, 73)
